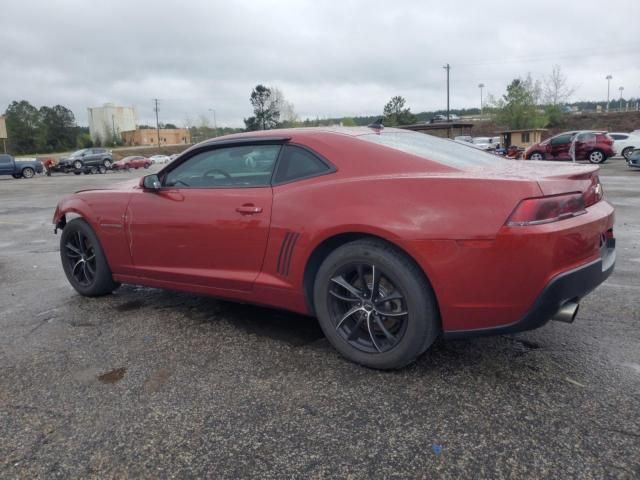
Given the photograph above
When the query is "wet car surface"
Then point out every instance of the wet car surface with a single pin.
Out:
(153, 383)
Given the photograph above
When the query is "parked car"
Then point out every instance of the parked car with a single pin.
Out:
(159, 158)
(634, 158)
(21, 168)
(443, 118)
(625, 143)
(594, 146)
(87, 157)
(390, 237)
(487, 143)
(134, 162)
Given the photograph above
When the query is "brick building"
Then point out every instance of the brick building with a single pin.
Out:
(149, 136)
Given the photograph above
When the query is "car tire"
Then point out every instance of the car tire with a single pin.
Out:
(536, 156)
(78, 164)
(77, 172)
(626, 153)
(94, 170)
(353, 318)
(102, 169)
(107, 163)
(597, 157)
(16, 175)
(83, 260)
(147, 165)
(28, 172)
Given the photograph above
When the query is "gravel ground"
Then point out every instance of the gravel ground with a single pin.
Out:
(150, 383)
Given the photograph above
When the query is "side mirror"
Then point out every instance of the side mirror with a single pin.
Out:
(150, 182)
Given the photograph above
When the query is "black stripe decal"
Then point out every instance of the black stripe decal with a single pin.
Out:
(283, 248)
(289, 253)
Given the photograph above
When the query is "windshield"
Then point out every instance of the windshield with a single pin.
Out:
(444, 151)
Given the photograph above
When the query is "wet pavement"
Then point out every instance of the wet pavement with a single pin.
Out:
(150, 383)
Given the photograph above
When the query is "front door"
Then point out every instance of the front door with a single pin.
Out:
(209, 222)
(560, 146)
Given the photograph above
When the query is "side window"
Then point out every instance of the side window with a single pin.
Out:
(5, 159)
(586, 137)
(559, 140)
(246, 166)
(296, 163)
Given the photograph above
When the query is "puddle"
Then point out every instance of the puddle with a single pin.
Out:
(113, 376)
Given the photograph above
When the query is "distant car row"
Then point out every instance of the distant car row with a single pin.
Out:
(595, 146)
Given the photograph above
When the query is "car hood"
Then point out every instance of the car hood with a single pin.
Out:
(116, 187)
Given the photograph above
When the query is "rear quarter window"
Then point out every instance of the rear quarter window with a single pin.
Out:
(440, 150)
(296, 163)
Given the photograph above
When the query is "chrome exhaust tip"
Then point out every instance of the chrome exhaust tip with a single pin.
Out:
(567, 313)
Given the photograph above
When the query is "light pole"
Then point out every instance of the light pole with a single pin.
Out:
(481, 86)
(215, 126)
(621, 89)
(447, 67)
(608, 77)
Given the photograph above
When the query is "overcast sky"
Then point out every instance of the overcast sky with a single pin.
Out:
(329, 58)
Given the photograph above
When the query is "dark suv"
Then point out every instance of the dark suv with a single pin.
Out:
(87, 157)
(593, 146)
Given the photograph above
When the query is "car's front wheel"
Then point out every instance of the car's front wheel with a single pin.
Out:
(107, 163)
(375, 305)
(102, 169)
(83, 260)
(597, 156)
(77, 164)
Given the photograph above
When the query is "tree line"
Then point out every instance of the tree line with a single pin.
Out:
(45, 129)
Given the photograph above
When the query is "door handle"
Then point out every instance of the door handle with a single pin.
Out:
(249, 209)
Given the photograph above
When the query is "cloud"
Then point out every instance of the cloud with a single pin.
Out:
(328, 58)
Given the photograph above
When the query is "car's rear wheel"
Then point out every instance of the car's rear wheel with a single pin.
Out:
(597, 156)
(94, 170)
(626, 153)
(83, 260)
(102, 169)
(147, 165)
(375, 305)
(536, 156)
(107, 163)
(28, 172)
(77, 164)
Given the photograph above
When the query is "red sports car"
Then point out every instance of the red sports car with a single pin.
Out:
(132, 162)
(389, 237)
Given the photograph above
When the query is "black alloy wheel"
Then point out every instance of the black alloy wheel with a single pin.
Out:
(369, 311)
(375, 304)
(83, 260)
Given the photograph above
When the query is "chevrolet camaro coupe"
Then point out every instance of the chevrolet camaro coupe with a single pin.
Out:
(389, 237)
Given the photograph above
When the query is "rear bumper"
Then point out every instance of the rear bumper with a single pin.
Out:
(569, 286)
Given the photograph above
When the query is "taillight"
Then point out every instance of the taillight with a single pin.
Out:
(594, 192)
(535, 211)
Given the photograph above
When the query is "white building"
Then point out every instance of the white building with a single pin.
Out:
(110, 120)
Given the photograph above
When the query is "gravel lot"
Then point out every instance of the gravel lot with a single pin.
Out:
(150, 383)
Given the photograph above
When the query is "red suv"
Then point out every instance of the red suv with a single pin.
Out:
(593, 146)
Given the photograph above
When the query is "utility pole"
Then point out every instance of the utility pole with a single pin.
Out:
(215, 125)
(447, 67)
(113, 129)
(608, 77)
(155, 108)
(621, 89)
(481, 86)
